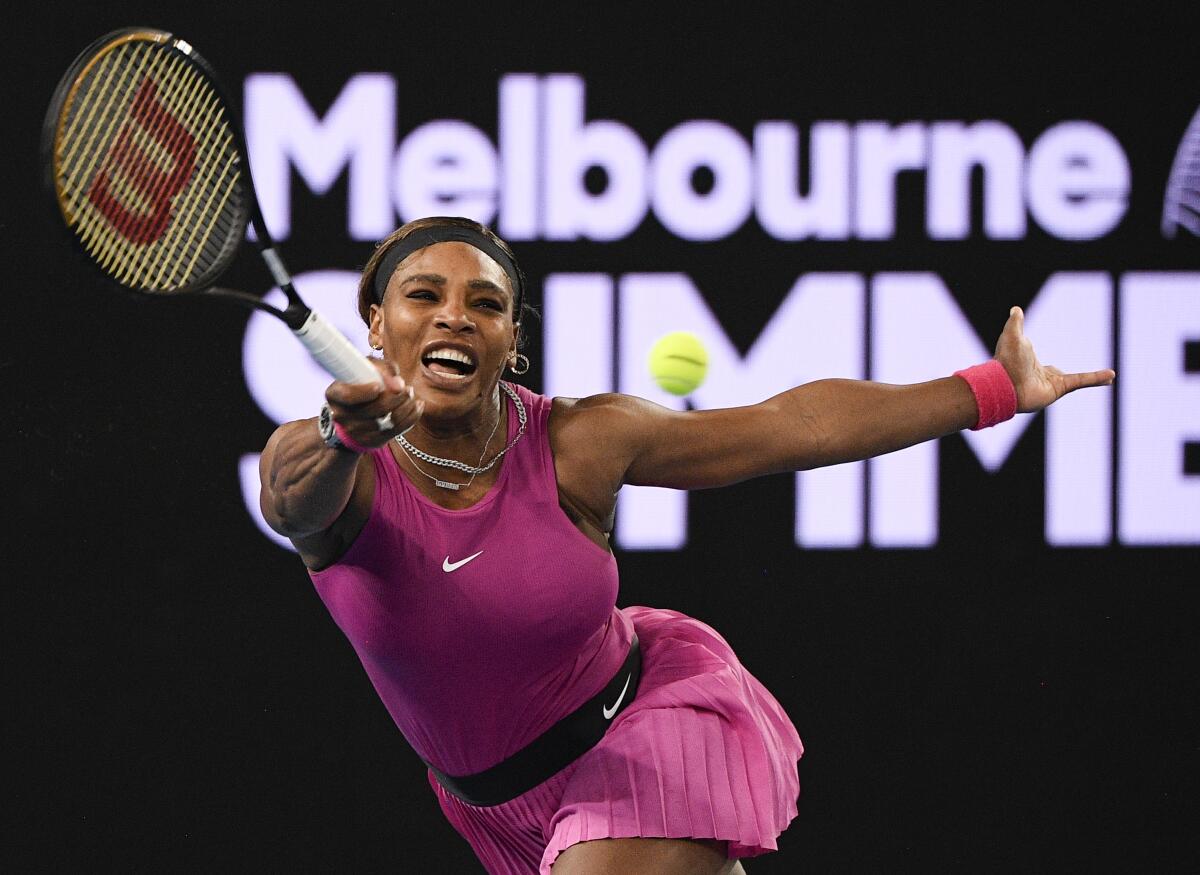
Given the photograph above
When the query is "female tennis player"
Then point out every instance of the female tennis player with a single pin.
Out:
(457, 527)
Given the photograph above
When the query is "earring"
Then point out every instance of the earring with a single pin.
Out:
(519, 361)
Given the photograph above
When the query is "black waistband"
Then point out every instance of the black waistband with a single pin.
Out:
(553, 750)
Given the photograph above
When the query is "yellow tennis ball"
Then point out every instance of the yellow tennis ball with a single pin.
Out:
(679, 362)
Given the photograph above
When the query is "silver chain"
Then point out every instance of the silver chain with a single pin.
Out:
(448, 484)
(463, 466)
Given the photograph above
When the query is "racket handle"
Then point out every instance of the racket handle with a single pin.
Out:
(334, 352)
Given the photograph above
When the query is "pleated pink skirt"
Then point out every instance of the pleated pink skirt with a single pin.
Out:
(703, 751)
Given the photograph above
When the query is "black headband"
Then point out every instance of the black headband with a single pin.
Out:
(443, 234)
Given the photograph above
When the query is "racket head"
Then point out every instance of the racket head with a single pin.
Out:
(144, 159)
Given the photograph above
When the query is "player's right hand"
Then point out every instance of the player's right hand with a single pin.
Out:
(374, 413)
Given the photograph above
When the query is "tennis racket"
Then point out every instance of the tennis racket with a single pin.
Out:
(147, 162)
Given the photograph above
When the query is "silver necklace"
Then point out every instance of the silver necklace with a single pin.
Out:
(447, 484)
(478, 468)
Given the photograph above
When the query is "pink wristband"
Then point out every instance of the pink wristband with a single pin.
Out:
(349, 442)
(995, 396)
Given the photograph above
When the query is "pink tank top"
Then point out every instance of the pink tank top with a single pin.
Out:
(479, 628)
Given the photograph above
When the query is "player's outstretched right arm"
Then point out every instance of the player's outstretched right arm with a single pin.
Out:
(307, 484)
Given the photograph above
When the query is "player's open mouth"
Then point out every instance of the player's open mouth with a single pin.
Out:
(449, 362)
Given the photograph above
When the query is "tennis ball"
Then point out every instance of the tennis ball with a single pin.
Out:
(678, 362)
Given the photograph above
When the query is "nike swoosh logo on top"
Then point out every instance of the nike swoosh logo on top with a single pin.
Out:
(449, 566)
(609, 712)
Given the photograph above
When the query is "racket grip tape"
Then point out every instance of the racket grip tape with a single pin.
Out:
(334, 352)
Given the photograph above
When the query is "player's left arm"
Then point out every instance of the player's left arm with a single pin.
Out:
(821, 423)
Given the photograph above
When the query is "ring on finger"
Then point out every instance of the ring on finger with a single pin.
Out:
(385, 422)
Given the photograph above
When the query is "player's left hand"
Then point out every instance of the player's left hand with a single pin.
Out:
(1038, 385)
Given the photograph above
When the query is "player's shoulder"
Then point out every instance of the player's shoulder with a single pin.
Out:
(593, 440)
(603, 404)
(603, 416)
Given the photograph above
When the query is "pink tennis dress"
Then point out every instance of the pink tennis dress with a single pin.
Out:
(481, 628)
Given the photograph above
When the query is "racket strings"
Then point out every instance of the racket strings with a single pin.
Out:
(180, 100)
(204, 193)
(204, 208)
(114, 96)
(184, 104)
(137, 190)
(149, 175)
(94, 115)
(82, 119)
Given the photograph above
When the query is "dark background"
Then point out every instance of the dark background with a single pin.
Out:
(177, 697)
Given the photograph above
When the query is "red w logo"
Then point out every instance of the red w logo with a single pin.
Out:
(142, 173)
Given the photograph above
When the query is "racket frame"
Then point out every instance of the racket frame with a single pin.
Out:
(327, 345)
